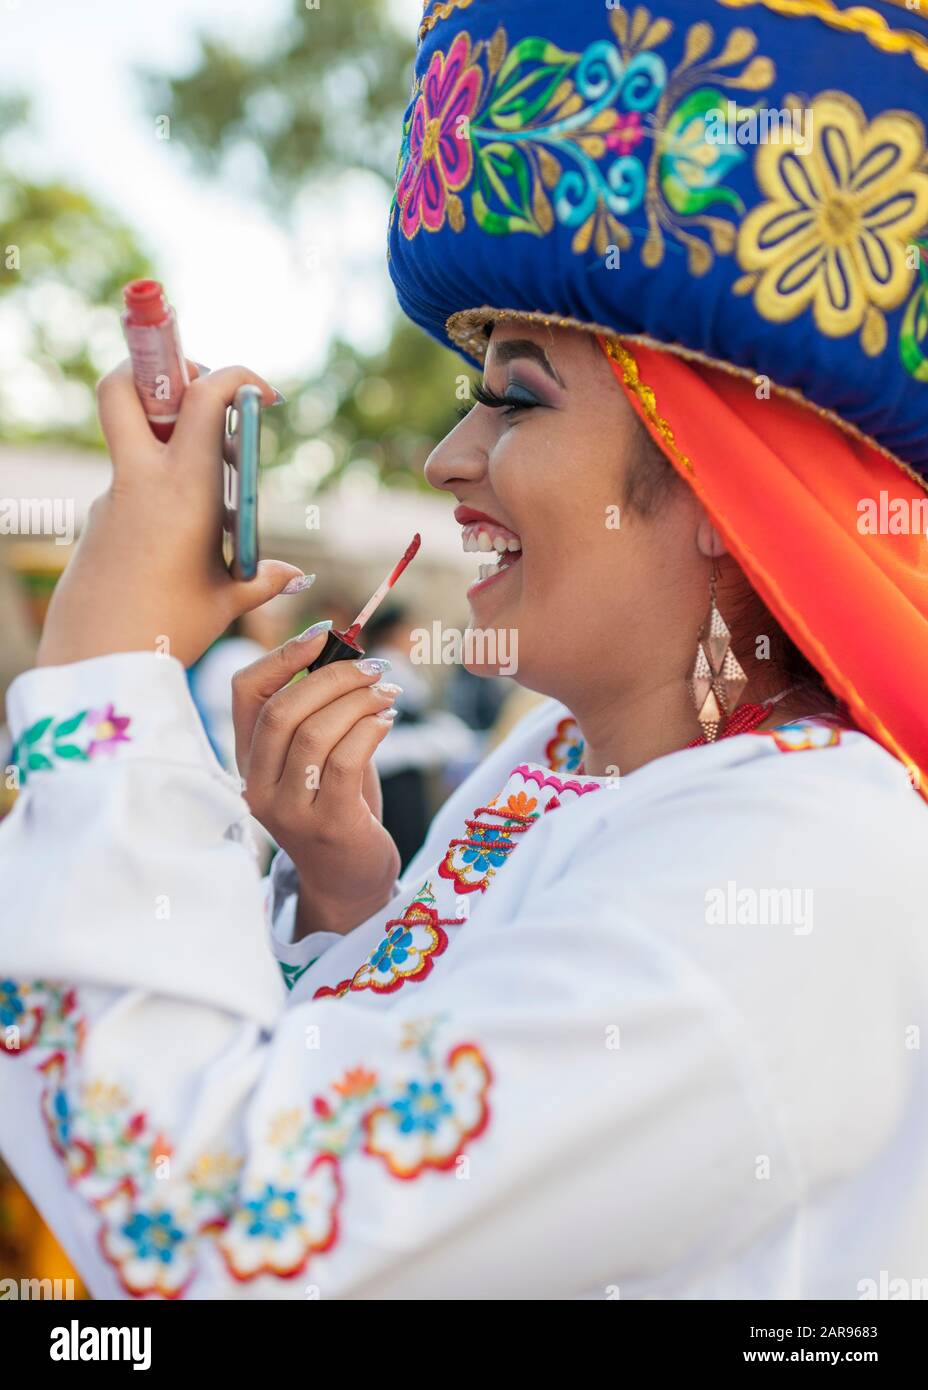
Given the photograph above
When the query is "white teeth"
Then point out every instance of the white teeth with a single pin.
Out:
(484, 571)
(477, 540)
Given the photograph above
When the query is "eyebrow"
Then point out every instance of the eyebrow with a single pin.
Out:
(511, 348)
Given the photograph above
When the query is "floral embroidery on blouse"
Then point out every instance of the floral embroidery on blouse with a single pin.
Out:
(405, 951)
(538, 136)
(472, 861)
(80, 738)
(272, 1217)
(804, 734)
(411, 943)
(564, 752)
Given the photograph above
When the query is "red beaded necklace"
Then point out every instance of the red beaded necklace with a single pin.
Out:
(744, 719)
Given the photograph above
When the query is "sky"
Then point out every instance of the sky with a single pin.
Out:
(89, 128)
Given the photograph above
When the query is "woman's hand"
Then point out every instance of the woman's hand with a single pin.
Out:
(304, 751)
(148, 573)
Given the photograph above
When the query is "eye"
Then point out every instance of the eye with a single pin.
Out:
(516, 397)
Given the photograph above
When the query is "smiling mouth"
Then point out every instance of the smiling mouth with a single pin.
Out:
(491, 539)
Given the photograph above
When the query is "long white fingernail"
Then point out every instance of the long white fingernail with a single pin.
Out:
(299, 585)
(314, 631)
(387, 715)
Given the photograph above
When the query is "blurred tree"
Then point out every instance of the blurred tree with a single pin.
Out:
(323, 100)
(325, 95)
(63, 260)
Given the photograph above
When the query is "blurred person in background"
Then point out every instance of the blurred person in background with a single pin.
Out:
(424, 741)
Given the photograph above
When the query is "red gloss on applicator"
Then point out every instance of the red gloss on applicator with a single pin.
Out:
(342, 646)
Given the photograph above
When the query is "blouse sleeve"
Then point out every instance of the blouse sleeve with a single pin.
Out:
(293, 957)
(187, 1135)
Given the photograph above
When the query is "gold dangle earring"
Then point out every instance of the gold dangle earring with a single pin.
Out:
(718, 680)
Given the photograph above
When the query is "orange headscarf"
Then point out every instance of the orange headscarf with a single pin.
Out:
(793, 496)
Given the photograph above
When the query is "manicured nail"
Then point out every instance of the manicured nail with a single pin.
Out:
(387, 715)
(314, 631)
(386, 688)
(299, 585)
(203, 371)
(373, 665)
(279, 399)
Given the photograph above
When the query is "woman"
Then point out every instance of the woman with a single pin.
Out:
(641, 1017)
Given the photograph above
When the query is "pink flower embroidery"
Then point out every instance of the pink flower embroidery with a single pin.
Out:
(626, 133)
(440, 159)
(107, 729)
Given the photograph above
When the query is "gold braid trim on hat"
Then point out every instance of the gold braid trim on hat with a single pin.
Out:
(859, 19)
(644, 394)
(467, 331)
(441, 11)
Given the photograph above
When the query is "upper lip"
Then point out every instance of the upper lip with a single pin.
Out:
(463, 515)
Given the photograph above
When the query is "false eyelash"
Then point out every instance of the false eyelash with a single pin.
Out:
(485, 396)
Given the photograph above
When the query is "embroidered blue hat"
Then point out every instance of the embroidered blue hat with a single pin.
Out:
(742, 182)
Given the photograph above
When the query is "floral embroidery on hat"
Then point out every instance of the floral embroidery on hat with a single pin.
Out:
(79, 738)
(538, 136)
(834, 231)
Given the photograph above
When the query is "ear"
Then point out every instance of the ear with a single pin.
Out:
(708, 540)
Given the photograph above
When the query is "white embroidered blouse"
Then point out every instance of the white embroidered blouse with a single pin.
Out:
(651, 1036)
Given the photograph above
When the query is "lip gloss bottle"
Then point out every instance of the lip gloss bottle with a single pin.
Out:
(158, 365)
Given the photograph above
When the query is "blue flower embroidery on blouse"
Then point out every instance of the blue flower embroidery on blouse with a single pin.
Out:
(155, 1237)
(393, 950)
(273, 1212)
(486, 858)
(11, 1006)
(422, 1107)
(574, 756)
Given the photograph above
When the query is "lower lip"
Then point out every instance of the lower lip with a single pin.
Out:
(479, 585)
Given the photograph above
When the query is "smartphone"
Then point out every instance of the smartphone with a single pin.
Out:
(241, 451)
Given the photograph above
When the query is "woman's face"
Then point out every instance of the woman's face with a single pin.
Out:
(582, 593)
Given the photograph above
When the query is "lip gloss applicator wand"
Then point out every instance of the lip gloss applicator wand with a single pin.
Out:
(343, 646)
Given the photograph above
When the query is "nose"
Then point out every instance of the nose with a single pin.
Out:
(461, 457)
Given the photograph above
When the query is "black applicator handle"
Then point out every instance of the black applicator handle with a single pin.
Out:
(336, 648)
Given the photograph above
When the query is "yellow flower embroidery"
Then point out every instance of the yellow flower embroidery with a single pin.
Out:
(838, 219)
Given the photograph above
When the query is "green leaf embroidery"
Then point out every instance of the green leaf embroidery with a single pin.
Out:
(689, 182)
(913, 333)
(67, 726)
(37, 762)
(293, 973)
(503, 174)
(33, 734)
(520, 95)
(69, 750)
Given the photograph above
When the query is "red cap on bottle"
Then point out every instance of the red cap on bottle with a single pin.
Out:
(145, 301)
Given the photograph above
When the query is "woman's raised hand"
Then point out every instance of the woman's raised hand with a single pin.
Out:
(304, 751)
(148, 573)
